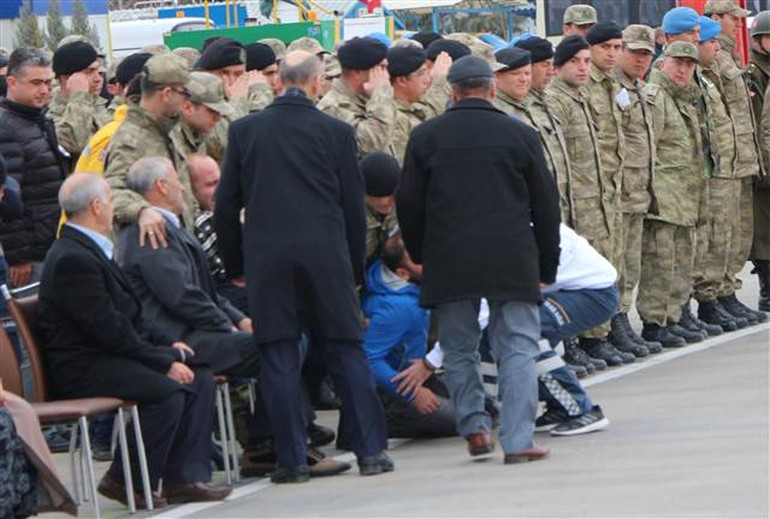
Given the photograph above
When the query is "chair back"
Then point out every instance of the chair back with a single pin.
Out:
(10, 371)
(25, 313)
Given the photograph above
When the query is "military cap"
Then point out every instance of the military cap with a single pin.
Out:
(511, 58)
(381, 173)
(207, 89)
(579, 14)
(130, 66)
(604, 31)
(639, 37)
(478, 47)
(455, 49)
(156, 49)
(72, 38)
(680, 19)
(425, 38)
(760, 25)
(277, 45)
(709, 29)
(332, 65)
(167, 69)
(681, 49)
(469, 67)
(402, 61)
(308, 44)
(540, 48)
(568, 47)
(208, 42)
(724, 7)
(224, 52)
(190, 54)
(362, 53)
(259, 56)
(406, 42)
(73, 57)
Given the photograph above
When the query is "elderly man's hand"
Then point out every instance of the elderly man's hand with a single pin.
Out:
(181, 373)
(152, 226)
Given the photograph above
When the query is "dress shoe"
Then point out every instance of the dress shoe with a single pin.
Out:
(195, 493)
(480, 444)
(711, 312)
(318, 435)
(377, 464)
(299, 474)
(655, 332)
(687, 335)
(111, 489)
(537, 452)
(320, 465)
(259, 461)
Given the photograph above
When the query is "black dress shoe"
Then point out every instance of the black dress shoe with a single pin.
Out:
(684, 333)
(377, 464)
(195, 493)
(299, 474)
(657, 333)
(111, 489)
(318, 435)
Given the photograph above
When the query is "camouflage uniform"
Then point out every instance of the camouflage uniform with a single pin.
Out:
(374, 119)
(408, 115)
(77, 117)
(759, 70)
(668, 243)
(378, 228)
(260, 95)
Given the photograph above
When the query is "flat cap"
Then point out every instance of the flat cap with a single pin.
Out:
(224, 52)
(259, 56)
(639, 37)
(167, 69)
(469, 67)
(512, 58)
(402, 61)
(680, 19)
(709, 29)
(567, 48)
(478, 47)
(604, 31)
(725, 7)
(190, 55)
(308, 44)
(455, 49)
(426, 38)
(73, 57)
(278, 46)
(207, 89)
(361, 53)
(130, 66)
(540, 48)
(681, 49)
(381, 173)
(579, 14)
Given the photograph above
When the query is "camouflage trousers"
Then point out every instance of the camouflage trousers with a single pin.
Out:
(631, 267)
(713, 237)
(667, 265)
(743, 235)
(612, 249)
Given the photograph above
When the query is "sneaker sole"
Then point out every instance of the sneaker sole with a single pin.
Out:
(545, 428)
(596, 426)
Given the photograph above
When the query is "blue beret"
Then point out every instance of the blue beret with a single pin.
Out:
(361, 53)
(680, 19)
(402, 61)
(709, 29)
(380, 37)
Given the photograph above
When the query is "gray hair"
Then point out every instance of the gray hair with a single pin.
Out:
(24, 57)
(296, 74)
(144, 172)
(79, 190)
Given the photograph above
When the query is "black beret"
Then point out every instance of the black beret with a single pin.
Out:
(402, 61)
(604, 31)
(381, 172)
(208, 41)
(131, 66)
(259, 56)
(513, 58)
(567, 49)
(469, 67)
(362, 53)
(540, 48)
(224, 52)
(73, 57)
(454, 48)
(426, 38)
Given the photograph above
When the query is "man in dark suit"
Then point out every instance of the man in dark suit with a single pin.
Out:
(302, 246)
(480, 211)
(94, 347)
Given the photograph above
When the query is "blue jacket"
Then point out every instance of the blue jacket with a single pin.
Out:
(398, 326)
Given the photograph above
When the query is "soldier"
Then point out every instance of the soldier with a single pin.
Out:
(668, 247)
(260, 57)
(362, 96)
(748, 161)
(77, 109)
(381, 172)
(760, 73)
(578, 19)
(279, 47)
(189, 54)
(332, 71)
(477, 47)
(638, 165)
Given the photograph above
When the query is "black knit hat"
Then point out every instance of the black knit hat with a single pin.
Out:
(513, 58)
(604, 31)
(567, 49)
(426, 38)
(259, 56)
(540, 48)
(402, 61)
(455, 49)
(361, 53)
(381, 173)
(130, 67)
(73, 57)
(224, 52)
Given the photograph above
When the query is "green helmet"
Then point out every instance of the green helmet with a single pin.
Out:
(761, 24)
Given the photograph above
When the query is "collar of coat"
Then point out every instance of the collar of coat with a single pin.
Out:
(625, 80)
(598, 74)
(575, 92)
(143, 118)
(521, 104)
(687, 94)
(29, 112)
(761, 60)
(474, 103)
(344, 90)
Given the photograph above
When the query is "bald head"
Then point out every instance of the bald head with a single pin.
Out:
(204, 177)
(303, 70)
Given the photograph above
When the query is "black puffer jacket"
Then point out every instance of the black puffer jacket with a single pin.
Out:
(28, 144)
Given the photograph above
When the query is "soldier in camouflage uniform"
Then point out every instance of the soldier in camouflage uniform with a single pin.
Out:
(381, 172)
(578, 19)
(363, 96)
(189, 54)
(77, 109)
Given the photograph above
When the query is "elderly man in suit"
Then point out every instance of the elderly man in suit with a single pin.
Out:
(94, 347)
(302, 252)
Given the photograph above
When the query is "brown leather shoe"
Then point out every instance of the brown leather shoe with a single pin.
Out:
(320, 465)
(195, 492)
(537, 452)
(480, 444)
(111, 489)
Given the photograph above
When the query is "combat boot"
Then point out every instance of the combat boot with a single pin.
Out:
(738, 309)
(601, 349)
(684, 333)
(712, 312)
(652, 346)
(656, 333)
(762, 269)
(620, 339)
(692, 323)
(574, 355)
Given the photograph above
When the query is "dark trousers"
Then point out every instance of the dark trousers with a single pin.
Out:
(404, 421)
(177, 436)
(281, 390)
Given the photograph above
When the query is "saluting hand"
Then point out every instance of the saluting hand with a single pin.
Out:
(378, 76)
(441, 66)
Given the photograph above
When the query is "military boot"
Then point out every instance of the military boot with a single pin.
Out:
(684, 333)
(762, 269)
(692, 323)
(737, 308)
(656, 333)
(620, 339)
(601, 349)
(652, 346)
(574, 355)
(712, 312)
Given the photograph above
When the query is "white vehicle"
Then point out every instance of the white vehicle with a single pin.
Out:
(130, 36)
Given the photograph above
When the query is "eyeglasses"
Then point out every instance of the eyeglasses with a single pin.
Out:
(181, 91)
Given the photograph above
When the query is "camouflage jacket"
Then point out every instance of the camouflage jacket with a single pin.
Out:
(77, 118)
(374, 119)
(721, 130)
(378, 228)
(433, 103)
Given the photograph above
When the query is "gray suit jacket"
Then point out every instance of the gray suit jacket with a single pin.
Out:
(175, 286)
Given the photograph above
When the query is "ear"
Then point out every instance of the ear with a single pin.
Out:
(403, 273)
(160, 186)
(11, 81)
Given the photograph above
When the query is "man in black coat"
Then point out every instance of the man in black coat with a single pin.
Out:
(303, 244)
(94, 348)
(478, 208)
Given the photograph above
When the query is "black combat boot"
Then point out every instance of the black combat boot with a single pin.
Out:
(684, 333)
(576, 356)
(601, 349)
(692, 323)
(652, 346)
(762, 269)
(711, 312)
(655, 333)
(620, 339)
(737, 308)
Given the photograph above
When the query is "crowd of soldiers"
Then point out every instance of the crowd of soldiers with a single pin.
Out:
(661, 166)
